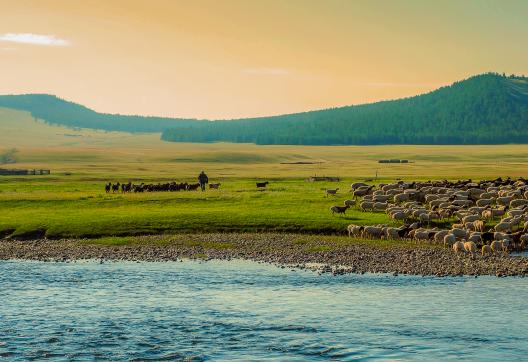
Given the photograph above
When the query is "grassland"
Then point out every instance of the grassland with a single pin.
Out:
(71, 202)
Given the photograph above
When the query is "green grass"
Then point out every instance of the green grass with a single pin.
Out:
(81, 209)
(71, 202)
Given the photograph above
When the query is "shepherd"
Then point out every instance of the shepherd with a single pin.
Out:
(203, 180)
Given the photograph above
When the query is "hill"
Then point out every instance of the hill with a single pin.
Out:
(54, 110)
(484, 109)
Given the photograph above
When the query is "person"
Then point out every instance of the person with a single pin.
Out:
(203, 179)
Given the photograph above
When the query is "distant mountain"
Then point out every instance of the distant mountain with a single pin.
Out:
(484, 109)
(58, 111)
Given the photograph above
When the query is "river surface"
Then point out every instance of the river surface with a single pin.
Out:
(246, 311)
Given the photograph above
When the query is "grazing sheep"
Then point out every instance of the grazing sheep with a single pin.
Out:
(350, 202)
(496, 246)
(331, 191)
(357, 185)
(518, 202)
(470, 247)
(362, 191)
(449, 240)
(475, 237)
(380, 205)
(398, 215)
(399, 198)
(439, 236)
(479, 225)
(470, 218)
(485, 202)
(458, 247)
(459, 233)
(505, 243)
(502, 227)
(366, 205)
(355, 230)
(339, 209)
(486, 249)
(372, 232)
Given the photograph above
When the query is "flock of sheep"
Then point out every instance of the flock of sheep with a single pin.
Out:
(490, 215)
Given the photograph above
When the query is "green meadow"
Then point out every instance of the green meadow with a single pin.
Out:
(71, 202)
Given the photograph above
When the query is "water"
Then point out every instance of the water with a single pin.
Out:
(247, 311)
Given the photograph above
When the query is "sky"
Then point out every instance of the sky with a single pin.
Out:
(231, 59)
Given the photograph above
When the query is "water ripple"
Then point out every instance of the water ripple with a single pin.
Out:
(241, 311)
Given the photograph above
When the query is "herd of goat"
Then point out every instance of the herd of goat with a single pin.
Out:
(490, 215)
(159, 187)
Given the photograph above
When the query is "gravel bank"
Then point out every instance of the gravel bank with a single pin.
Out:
(333, 255)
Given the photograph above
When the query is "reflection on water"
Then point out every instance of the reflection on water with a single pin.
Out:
(247, 311)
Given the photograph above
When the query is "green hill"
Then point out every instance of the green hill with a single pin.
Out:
(57, 111)
(484, 109)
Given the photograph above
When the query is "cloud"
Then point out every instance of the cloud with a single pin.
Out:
(37, 39)
(266, 71)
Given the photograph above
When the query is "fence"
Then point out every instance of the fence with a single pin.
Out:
(10, 172)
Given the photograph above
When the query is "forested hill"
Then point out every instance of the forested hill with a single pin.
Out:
(58, 111)
(484, 109)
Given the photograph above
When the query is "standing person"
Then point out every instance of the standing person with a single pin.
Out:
(203, 179)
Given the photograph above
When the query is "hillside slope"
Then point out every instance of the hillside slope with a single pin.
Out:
(484, 109)
(60, 112)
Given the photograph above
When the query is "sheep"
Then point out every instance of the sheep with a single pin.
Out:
(486, 249)
(502, 227)
(459, 233)
(339, 209)
(470, 218)
(449, 240)
(475, 237)
(458, 247)
(366, 205)
(355, 230)
(439, 236)
(496, 246)
(518, 202)
(479, 225)
(399, 198)
(357, 185)
(381, 198)
(470, 247)
(350, 203)
(423, 235)
(485, 202)
(362, 191)
(380, 205)
(504, 201)
(505, 243)
(331, 191)
(371, 231)
(500, 236)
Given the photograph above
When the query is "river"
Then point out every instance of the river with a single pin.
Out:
(241, 310)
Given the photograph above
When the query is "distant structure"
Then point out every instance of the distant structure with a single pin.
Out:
(395, 160)
(11, 172)
(323, 178)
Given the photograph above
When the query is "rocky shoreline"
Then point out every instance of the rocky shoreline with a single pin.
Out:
(334, 255)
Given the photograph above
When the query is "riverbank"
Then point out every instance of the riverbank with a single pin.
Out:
(331, 254)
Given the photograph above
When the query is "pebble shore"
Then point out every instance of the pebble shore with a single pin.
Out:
(282, 249)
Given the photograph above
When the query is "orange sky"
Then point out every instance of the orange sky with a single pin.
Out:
(225, 59)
